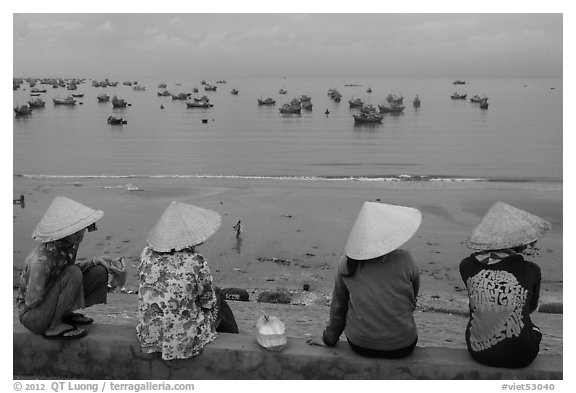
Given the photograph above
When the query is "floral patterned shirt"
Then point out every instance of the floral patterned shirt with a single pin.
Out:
(41, 268)
(176, 304)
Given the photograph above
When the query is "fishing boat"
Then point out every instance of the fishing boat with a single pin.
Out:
(394, 99)
(393, 108)
(416, 101)
(459, 82)
(307, 105)
(267, 101)
(162, 85)
(37, 103)
(304, 98)
(234, 92)
(116, 120)
(475, 98)
(181, 96)
(23, 110)
(64, 101)
(369, 90)
(365, 117)
(37, 90)
(202, 102)
(210, 87)
(78, 95)
(164, 93)
(290, 109)
(484, 103)
(458, 96)
(282, 91)
(356, 103)
(103, 97)
(118, 102)
(195, 90)
(139, 88)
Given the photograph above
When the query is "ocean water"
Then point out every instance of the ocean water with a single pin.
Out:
(518, 138)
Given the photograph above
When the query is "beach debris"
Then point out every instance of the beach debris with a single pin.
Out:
(238, 228)
(275, 296)
(271, 333)
(237, 294)
(279, 261)
(19, 201)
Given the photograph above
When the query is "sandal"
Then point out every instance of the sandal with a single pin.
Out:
(67, 334)
(77, 319)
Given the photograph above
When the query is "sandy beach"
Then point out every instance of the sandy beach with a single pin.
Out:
(295, 230)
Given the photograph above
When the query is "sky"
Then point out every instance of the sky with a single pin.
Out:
(99, 45)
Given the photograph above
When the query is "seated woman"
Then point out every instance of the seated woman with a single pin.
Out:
(52, 285)
(179, 311)
(503, 288)
(376, 285)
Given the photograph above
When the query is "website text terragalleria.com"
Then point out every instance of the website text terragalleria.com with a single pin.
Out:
(120, 386)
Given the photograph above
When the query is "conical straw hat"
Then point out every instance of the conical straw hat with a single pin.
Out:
(380, 229)
(63, 218)
(183, 225)
(505, 226)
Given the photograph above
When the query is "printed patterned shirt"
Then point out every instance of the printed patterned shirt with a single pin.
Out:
(42, 266)
(503, 290)
(176, 304)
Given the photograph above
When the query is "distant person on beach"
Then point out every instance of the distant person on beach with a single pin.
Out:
(376, 285)
(52, 285)
(503, 288)
(179, 310)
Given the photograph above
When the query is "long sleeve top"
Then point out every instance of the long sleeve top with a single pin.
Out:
(42, 266)
(503, 289)
(374, 307)
(176, 307)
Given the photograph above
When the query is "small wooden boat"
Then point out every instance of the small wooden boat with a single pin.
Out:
(459, 82)
(290, 109)
(484, 103)
(356, 103)
(37, 103)
(267, 101)
(23, 110)
(118, 102)
(394, 108)
(164, 93)
(103, 98)
(368, 118)
(181, 96)
(195, 90)
(416, 101)
(234, 91)
(394, 99)
(458, 96)
(37, 90)
(475, 98)
(210, 88)
(78, 95)
(162, 86)
(116, 120)
(307, 105)
(198, 104)
(139, 88)
(282, 91)
(369, 90)
(64, 101)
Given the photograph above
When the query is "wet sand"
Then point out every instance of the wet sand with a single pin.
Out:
(295, 230)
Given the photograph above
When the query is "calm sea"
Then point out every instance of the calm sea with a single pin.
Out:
(518, 138)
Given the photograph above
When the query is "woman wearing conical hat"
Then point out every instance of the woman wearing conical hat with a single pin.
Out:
(503, 288)
(52, 285)
(179, 310)
(376, 285)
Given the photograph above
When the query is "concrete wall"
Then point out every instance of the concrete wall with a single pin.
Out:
(113, 352)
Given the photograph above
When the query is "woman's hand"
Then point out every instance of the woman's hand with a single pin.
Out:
(314, 340)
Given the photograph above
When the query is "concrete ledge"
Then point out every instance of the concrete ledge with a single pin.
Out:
(112, 352)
